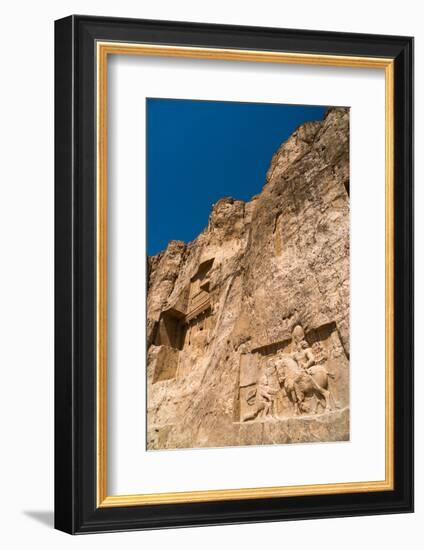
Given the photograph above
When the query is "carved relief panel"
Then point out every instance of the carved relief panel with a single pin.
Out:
(306, 374)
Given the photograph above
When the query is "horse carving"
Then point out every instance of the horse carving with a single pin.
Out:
(300, 384)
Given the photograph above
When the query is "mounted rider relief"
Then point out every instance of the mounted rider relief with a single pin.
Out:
(248, 274)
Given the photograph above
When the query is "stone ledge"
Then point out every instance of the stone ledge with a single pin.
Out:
(326, 427)
(321, 428)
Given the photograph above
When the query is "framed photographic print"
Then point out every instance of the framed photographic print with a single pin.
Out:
(234, 270)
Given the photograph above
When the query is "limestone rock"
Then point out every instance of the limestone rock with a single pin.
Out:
(261, 292)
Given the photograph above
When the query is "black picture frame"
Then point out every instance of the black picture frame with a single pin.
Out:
(76, 508)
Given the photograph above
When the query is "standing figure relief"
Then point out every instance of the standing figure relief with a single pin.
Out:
(261, 399)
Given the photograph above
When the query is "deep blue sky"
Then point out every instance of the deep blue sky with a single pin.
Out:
(201, 151)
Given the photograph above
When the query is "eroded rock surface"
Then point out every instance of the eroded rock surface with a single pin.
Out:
(248, 325)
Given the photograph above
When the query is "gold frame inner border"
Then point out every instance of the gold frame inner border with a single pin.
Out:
(104, 49)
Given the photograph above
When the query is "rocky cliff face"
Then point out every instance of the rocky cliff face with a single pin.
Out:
(244, 317)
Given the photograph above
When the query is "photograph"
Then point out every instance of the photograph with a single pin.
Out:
(248, 273)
